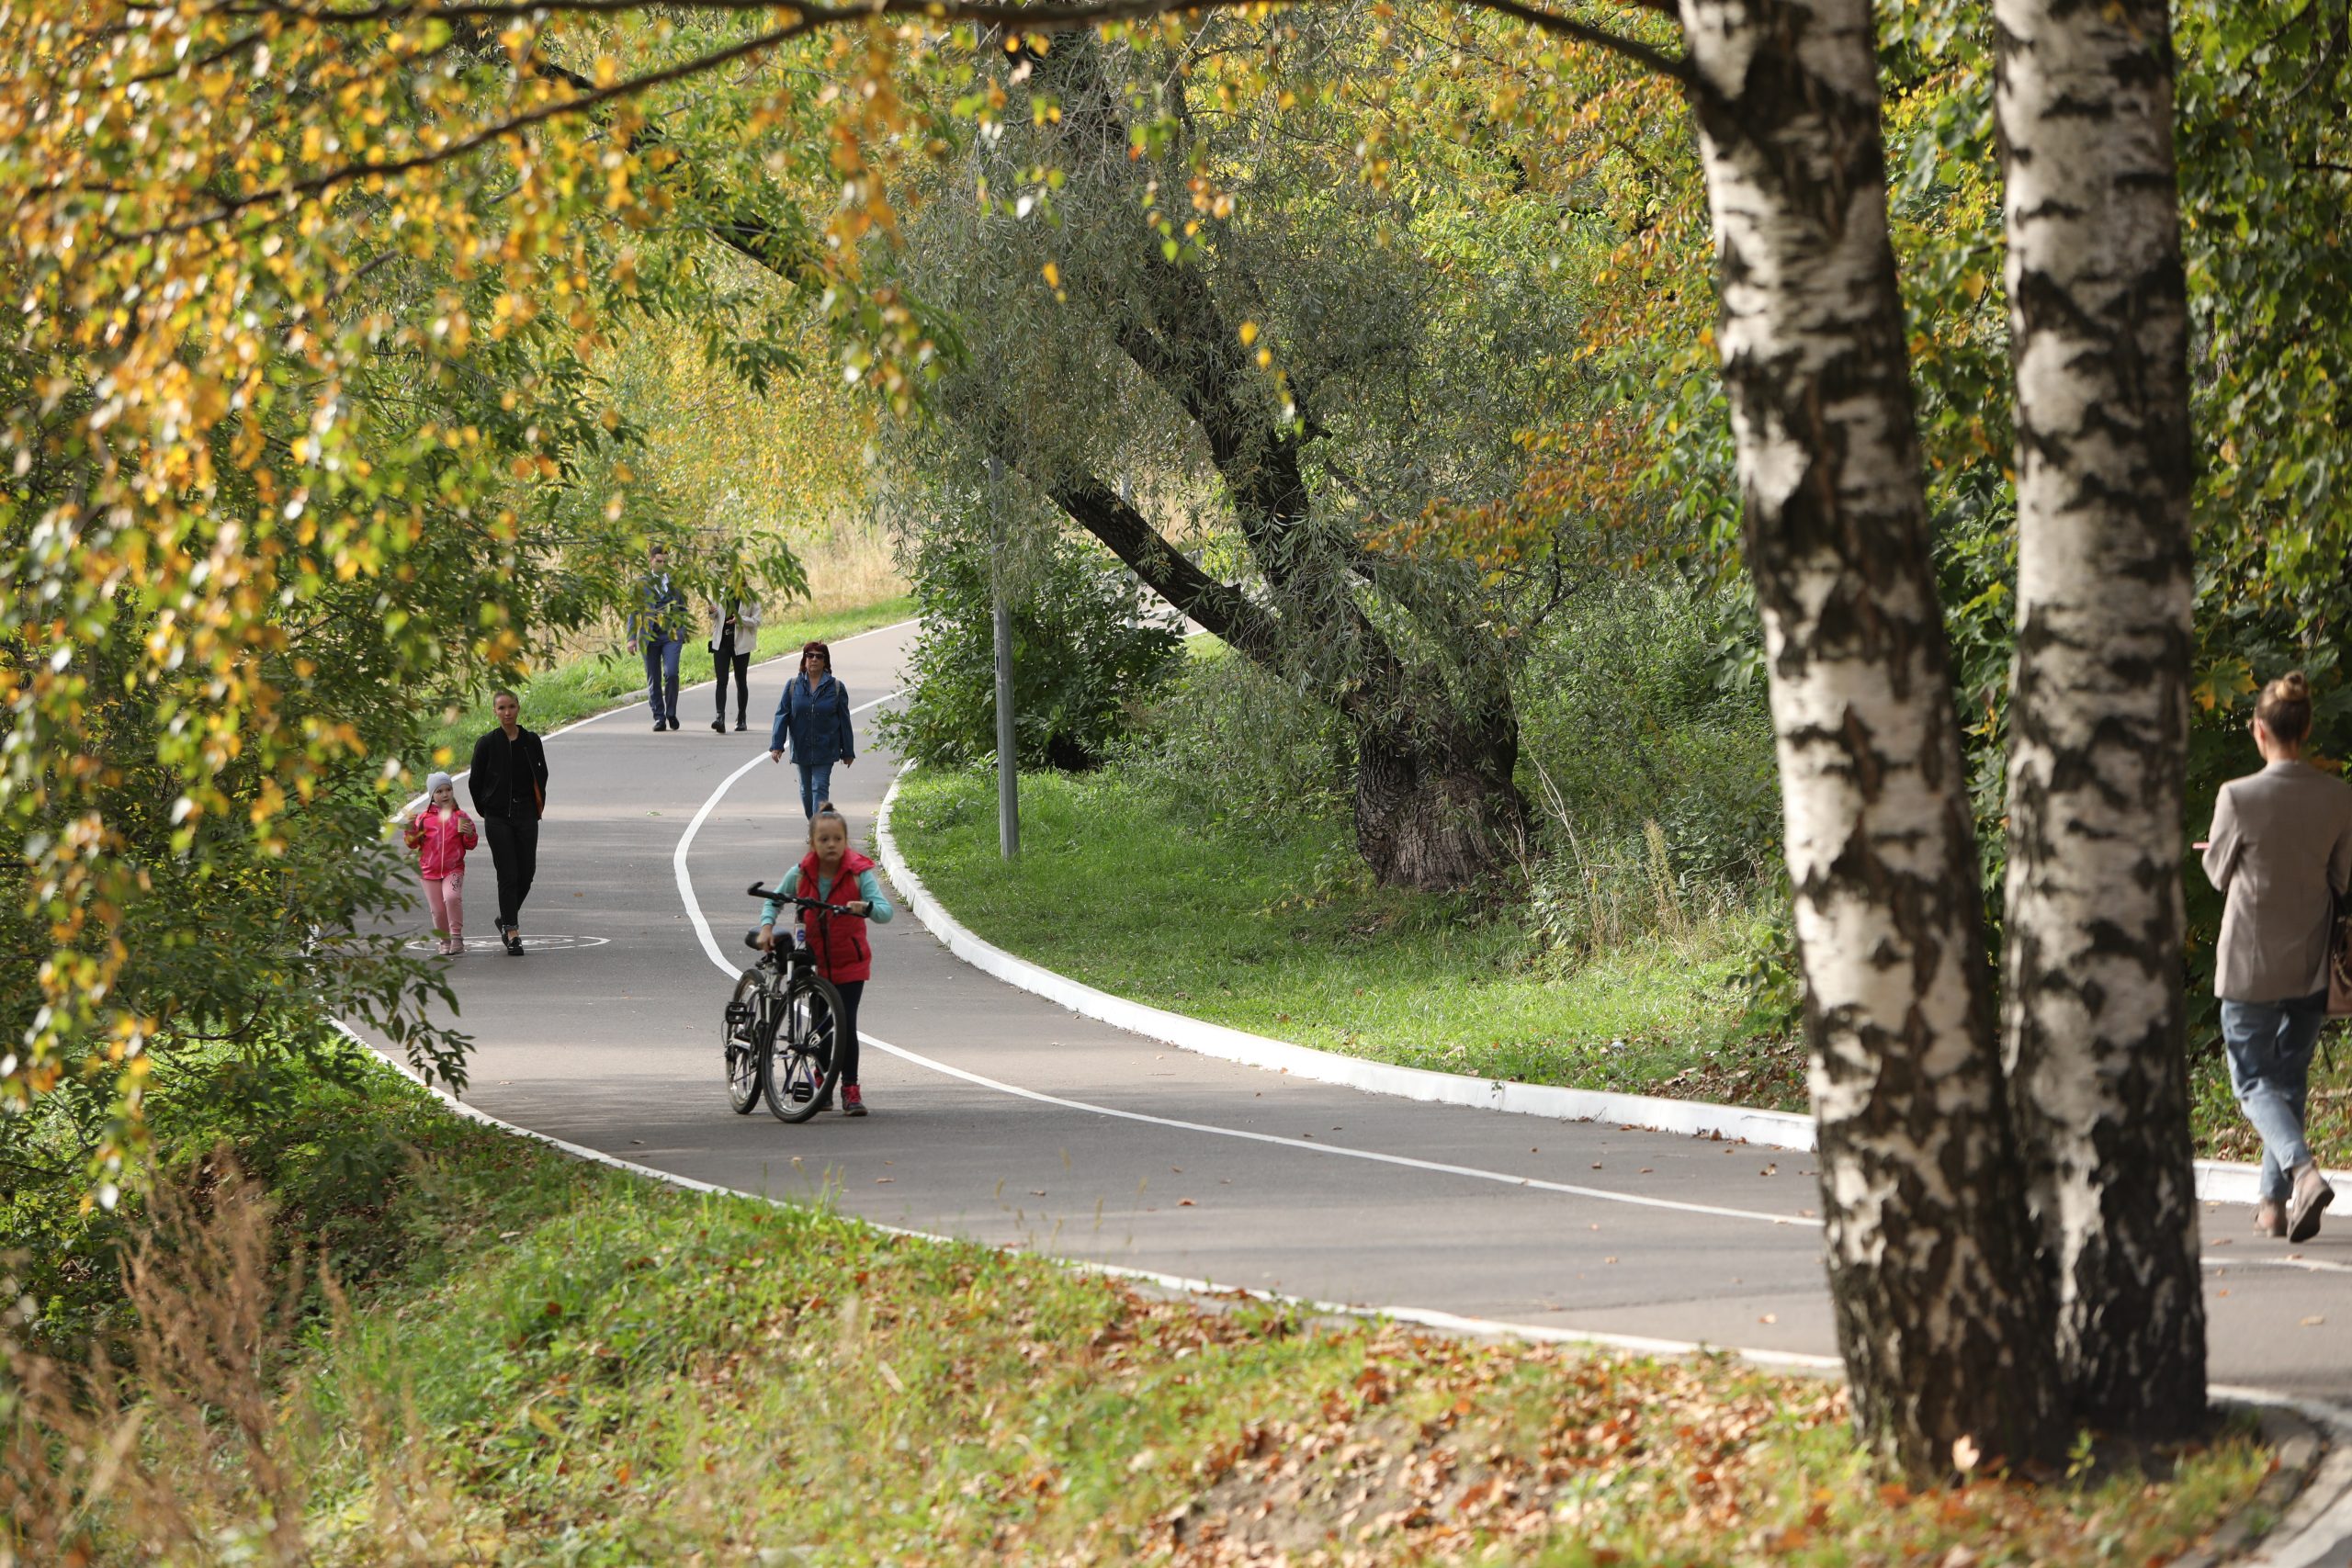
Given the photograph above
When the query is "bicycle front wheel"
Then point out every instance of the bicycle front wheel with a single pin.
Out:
(803, 1064)
(746, 1044)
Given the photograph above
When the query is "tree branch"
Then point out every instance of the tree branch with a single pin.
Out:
(347, 174)
(1051, 17)
(1223, 608)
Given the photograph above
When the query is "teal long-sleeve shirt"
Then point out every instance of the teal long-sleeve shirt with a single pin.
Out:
(869, 887)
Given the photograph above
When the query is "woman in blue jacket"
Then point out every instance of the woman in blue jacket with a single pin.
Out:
(814, 717)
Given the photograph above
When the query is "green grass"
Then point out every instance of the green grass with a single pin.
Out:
(532, 1361)
(1274, 931)
(592, 683)
(1143, 897)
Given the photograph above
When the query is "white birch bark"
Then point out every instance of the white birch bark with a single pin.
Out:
(2092, 1016)
(1941, 1316)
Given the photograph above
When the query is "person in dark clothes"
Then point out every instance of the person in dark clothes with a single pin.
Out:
(734, 632)
(655, 626)
(509, 783)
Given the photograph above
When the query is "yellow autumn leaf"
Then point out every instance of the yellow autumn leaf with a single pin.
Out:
(1248, 332)
(1053, 276)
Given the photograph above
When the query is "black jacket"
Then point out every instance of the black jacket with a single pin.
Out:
(510, 777)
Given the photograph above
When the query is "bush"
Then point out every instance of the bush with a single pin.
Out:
(1235, 743)
(1649, 757)
(1087, 652)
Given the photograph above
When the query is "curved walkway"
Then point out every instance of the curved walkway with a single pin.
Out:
(1000, 1117)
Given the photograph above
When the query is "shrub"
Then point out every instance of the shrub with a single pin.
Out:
(1087, 652)
(1235, 742)
(1650, 759)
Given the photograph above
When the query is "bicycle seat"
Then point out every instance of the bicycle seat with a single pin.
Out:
(752, 939)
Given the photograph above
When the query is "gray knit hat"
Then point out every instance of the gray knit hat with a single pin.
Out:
(433, 781)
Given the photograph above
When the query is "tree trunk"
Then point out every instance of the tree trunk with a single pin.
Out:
(1435, 801)
(1942, 1317)
(2093, 1014)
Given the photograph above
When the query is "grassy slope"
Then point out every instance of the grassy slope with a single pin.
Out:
(1119, 888)
(1251, 943)
(543, 1362)
(578, 687)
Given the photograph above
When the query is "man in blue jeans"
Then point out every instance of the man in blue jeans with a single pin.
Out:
(656, 626)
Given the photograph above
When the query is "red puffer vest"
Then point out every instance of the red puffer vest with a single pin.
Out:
(838, 939)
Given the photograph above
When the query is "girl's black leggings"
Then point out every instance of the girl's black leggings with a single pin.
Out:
(845, 1035)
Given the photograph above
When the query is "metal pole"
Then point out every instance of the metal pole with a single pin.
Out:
(1008, 768)
(1008, 771)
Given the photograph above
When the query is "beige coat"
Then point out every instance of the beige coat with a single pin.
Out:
(2281, 848)
(747, 625)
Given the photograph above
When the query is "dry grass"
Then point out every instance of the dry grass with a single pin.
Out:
(187, 1451)
(850, 565)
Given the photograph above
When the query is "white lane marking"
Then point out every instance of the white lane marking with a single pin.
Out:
(1341, 1151)
(685, 882)
(1425, 1317)
(729, 968)
(687, 841)
(2215, 1261)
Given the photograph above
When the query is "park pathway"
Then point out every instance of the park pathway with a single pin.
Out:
(999, 1117)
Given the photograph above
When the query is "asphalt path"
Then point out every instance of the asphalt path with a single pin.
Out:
(1000, 1117)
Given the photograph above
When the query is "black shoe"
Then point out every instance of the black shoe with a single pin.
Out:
(720, 724)
(674, 724)
(659, 726)
(738, 723)
(514, 944)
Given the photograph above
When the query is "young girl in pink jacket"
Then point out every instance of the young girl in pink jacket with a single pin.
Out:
(441, 834)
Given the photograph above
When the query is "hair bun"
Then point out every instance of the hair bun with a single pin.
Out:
(2285, 708)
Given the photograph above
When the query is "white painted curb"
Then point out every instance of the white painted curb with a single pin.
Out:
(2218, 1181)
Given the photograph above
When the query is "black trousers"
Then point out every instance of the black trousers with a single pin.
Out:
(845, 1030)
(722, 659)
(515, 850)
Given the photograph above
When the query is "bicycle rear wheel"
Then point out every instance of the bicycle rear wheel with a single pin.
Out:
(745, 1043)
(802, 1063)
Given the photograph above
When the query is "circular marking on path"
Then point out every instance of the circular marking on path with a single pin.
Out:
(532, 943)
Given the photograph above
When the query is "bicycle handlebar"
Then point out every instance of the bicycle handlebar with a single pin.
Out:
(756, 891)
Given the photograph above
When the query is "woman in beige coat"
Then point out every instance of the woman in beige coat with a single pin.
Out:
(2281, 850)
(734, 632)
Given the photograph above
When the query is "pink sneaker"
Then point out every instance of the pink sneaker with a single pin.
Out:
(852, 1103)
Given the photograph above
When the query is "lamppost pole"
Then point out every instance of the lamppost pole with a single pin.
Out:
(1008, 772)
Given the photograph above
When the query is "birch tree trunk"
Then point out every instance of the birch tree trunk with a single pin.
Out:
(1942, 1317)
(2092, 1016)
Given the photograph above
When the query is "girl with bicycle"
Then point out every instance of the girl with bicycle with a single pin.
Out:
(840, 945)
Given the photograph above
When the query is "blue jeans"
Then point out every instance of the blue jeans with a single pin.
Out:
(2269, 1047)
(661, 676)
(816, 786)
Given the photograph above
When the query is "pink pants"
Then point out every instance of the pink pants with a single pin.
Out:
(446, 896)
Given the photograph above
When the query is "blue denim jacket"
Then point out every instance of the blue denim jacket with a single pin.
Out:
(816, 721)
